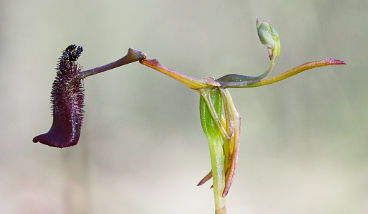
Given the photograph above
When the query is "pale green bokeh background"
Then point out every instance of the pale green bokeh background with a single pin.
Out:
(304, 145)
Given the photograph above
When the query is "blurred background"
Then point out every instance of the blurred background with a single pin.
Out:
(304, 144)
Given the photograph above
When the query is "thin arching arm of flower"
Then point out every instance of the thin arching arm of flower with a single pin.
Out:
(270, 38)
(293, 71)
(285, 75)
(132, 56)
(191, 82)
(242, 80)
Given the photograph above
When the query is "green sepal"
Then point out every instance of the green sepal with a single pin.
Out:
(208, 123)
(215, 144)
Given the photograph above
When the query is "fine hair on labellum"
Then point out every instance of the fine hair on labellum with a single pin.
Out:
(67, 102)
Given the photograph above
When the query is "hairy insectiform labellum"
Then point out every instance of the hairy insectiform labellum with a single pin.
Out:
(67, 102)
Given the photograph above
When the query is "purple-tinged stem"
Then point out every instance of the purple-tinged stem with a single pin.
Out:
(132, 56)
(191, 82)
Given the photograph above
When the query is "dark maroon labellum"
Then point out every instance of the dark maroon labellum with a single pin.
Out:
(67, 102)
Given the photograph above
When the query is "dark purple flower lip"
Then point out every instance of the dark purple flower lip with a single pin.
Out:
(67, 96)
(67, 102)
(61, 134)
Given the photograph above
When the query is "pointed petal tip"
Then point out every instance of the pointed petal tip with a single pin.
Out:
(335, 61)
(201, 183)
(205, 178)
(224, 194)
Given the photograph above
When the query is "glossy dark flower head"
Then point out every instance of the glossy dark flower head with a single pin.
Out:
(67, 102)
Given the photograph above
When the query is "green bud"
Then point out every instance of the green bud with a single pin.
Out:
(269, 37)
(265, 34)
